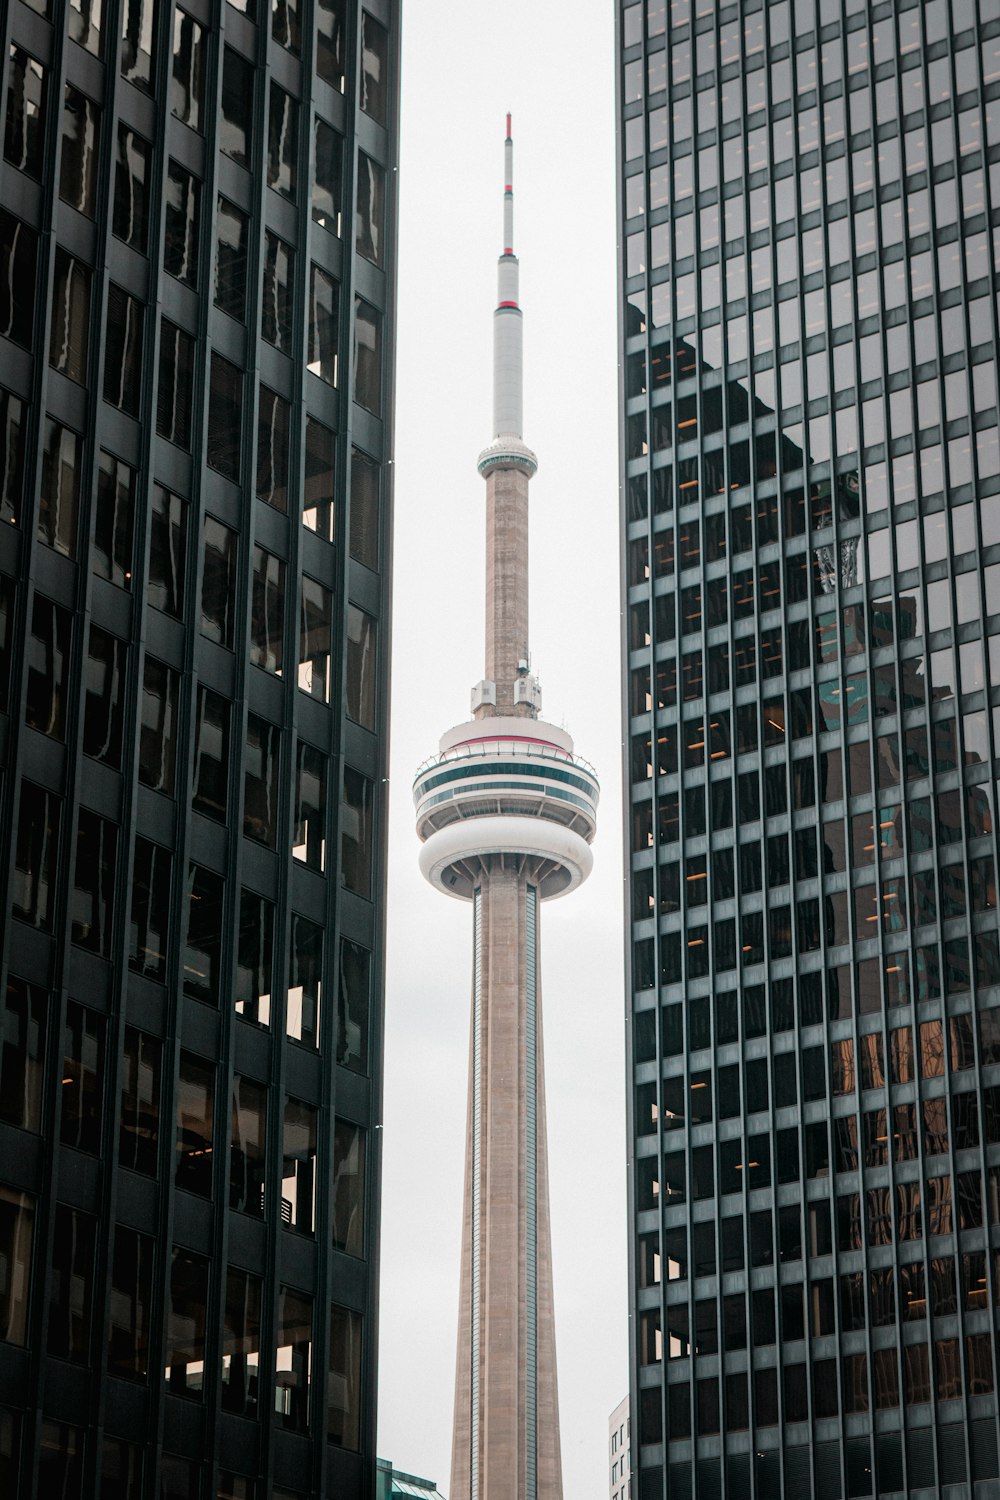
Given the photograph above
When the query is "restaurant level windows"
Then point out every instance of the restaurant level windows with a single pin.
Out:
(219, 586)
(202, 957)
(71, 1281)
(267, 612)
(374, 68)
(69, 328)
(293, 1360)
(48, 664)
(123, 351)
(260, 784)
(322, 351)
(18, 268)
(24, 121)
(309, 833)
(353, 1006)
(81, 123)
(23, 1031)
(195, 1128)
(331, 24)
(35, 854)
(111, 554)
(133, 177)
(175, 386)
(241, 1344)
(357, 825)
(139, 1121)
(282, 142)
(82, 1079)
(92, 897)
(147, 946)
(327, 179)
(17, 1226)
(273, 420)
(104, 700)
(181, 224)
(187, 81)
(248, 1147)
(210, 779)
(254, 959)
(343, 1418)
(130, 1303)
(277, 298)
(364, 520)
(184, 1362)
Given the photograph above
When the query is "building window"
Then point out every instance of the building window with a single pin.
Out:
(167, 552)
(187, 80)
(18, 265)
(71, 1282)
(80, 147)
(282, 142)
(267, 622)
(348, 1187)
(23, 1025)
(276, 308)
(298, 1167)
(111, 554)
(59, 494)
(210, 782)
(82, 1079)
(367, 356)
(322, 352)
(247, 1147)
(84, 24)
(260, 785)
(69, 330)
(353, 1005)
(194, 1140)
(285, 24)
(360, 667)
(330, 31)
(147, 952)
(374, 68)
(180, 233)
(17, 1227)
(49, 647)
(293, 1359)
(236, 118)
(314, 640)
(158, 726)
(104, 700)
(309, 835)
(225, 418)
(254, 959)
(203, 949)
(369, 228)
(24, 124)
(123, 351)
(218, 585)
(364, 527)
(273, 417)
(35, 856)
(327, 178)
(139, 1124)
(130, 214)
(93, 892)
(232, 231)
(343, 1413)
(305, 981)
(175, 388)
(138, 40)
(357, 819)
(241, 1344)
(317, 496)
(131, 1303)
(186, 1313)
(12, 438)
(121, 1468)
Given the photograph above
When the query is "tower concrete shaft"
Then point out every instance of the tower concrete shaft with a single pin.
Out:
(506, 814)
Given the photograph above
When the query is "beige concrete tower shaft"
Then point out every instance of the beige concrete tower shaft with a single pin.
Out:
(507, 588)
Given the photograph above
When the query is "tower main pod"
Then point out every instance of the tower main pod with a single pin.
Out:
(506, 813)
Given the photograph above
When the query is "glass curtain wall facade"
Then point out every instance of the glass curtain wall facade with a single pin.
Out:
(809, 221)
(197, 249)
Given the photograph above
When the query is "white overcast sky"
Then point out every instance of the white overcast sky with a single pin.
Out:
(464, 67)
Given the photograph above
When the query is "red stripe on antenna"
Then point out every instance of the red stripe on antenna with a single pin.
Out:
(508, 125)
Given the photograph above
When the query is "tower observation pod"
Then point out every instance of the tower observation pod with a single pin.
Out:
(506, 813)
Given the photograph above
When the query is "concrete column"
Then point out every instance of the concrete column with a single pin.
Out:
(506, 585)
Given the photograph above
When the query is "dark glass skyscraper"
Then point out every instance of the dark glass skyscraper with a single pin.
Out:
(197, 245)
(809, 219)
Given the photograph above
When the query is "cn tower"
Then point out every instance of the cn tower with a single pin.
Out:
(506, 813)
